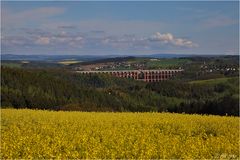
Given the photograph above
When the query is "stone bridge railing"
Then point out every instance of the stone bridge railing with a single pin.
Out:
(143, 75)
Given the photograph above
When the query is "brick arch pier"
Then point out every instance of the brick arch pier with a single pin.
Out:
(142, 75)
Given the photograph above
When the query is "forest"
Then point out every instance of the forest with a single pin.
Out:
(61, 89)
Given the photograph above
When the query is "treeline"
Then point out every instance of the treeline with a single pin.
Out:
(115, 59)
(218, 98)
(63, 90)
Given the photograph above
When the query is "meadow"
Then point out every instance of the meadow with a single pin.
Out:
(168, 63)
(68, 62)
(214, 81)
(42, 134)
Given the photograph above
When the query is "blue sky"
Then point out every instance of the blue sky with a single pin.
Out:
(203, 27)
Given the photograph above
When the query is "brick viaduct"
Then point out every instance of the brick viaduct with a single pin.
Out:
(142, 75)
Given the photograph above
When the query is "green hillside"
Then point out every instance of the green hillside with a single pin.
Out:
(214, 81)
(58, 89)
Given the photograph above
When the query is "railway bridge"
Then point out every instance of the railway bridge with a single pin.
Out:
(141, 75)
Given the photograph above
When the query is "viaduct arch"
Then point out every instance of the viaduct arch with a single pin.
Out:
(141, 75)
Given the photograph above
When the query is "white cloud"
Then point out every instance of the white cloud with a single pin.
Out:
(114, 27)
(158, 40)
(60, 40)
(168, 38)
(43, 41)
(162, 37)
(79, 38)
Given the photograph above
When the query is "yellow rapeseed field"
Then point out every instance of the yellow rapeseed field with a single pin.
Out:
(70, 135)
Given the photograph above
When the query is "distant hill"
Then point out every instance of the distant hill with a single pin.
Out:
(168, 55)
(50, 57)
(82, 57)
(56, 58)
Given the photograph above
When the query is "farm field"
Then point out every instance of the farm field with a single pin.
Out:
(213, 81)
(49, 134)
(166, 63)
(11, 64)
(68, 62)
